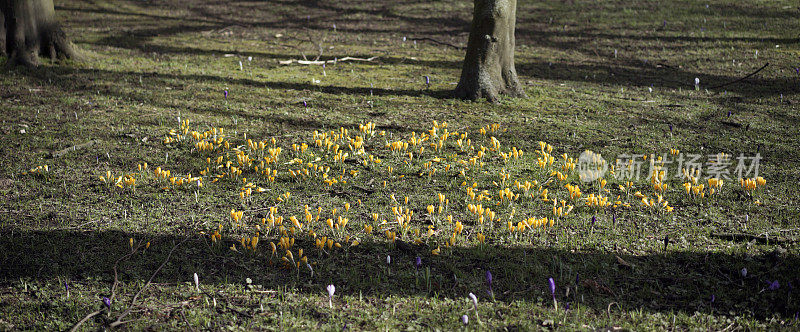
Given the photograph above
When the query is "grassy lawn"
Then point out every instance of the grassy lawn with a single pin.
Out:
(180, 145)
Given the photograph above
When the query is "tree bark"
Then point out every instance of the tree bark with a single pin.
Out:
(488, 69)
(30, 30)
(2, 33)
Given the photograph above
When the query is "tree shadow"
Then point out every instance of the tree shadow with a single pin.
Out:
(116, 11)
(676, 281)
(123, 85)
(657, 75)
(550, 38)
(91, 74)
(281, 15)
(286, 16)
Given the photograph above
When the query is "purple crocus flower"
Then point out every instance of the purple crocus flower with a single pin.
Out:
(418, 262)
(553, 292)
(670, 127)
(744, 272)
(713, 298)
(774, 285)
(305, 104)
(465, 319)
(566, 306)
(107, 302)
(729, 114)
(489, 282)
(427, 80)
(594, 220)
(226, 94)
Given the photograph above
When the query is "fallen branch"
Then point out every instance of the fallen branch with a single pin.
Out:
(186, 320)
(119, 320)
(113, 287)
(741, 79)
(89, 316)
(748, 238)
(322, 62)
(439, 42)
(116, 274)
(320, 49)
(57, 154)
(228, 305)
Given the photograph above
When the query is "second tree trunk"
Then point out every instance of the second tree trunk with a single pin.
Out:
(488, 69)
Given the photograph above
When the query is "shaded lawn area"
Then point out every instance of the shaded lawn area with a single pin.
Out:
(611, 77)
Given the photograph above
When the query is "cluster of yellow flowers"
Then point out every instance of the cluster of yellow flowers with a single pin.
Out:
(529, 223)
(574, 191)
(597, 201)
(657, 201)
(249, 243)
(120, 181)
(545, 158)
(42, 169)
(180, 134)
(750, 185)
(236, 216)
(495, 186)
(489, 129)
(563, 210)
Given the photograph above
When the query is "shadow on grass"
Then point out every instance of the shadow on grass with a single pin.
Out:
(619, 73)
(318, 16)
(675, 281)
(659, 76)
(90, 76)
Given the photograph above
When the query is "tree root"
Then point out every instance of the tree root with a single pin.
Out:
(53, 44)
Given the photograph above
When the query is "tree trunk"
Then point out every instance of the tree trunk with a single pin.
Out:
(2, 33)
(30, 30)
(488, 69)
